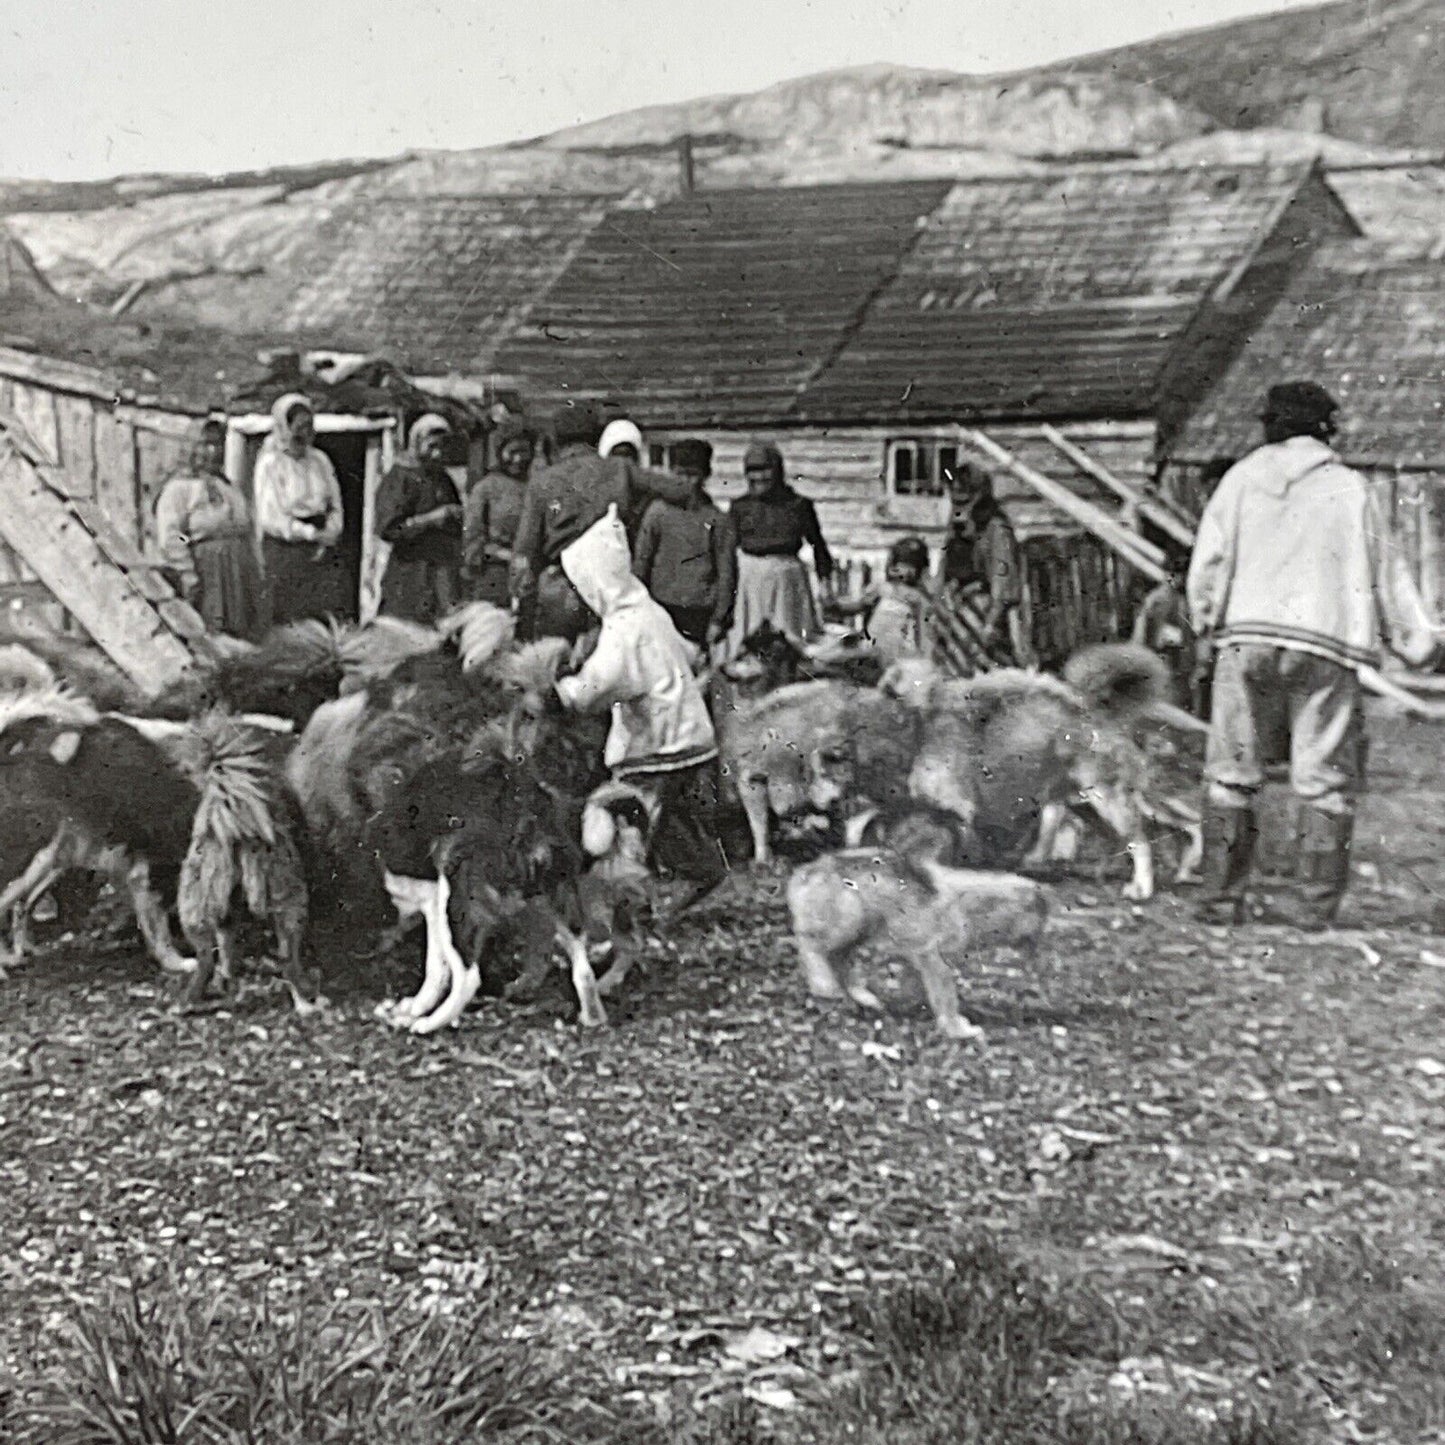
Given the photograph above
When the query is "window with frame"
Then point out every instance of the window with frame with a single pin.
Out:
(921, 467)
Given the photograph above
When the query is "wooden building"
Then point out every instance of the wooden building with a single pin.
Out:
(1365, 319)
(871, 330)
(96, 415)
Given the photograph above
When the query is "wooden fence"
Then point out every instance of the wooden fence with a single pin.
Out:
(1076, 591)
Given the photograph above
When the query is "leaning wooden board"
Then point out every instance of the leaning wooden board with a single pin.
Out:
(78, 562)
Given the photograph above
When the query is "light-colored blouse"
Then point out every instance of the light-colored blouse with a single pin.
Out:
(194, 509)
(290, 490)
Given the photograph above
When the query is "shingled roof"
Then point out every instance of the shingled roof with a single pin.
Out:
(717, 308)
(435, 281)
(1061, 295)
(1055, 296)
(1365, 319)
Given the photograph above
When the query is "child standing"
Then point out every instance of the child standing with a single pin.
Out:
(899, 612)
(662, 739)
(1163, 627)
(687, 556)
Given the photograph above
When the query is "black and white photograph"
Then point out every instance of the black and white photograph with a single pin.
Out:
(722, 725)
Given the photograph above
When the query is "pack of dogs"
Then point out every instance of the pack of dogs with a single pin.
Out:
(393, 777)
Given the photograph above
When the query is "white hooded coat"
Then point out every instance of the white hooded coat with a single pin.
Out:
(641, 666)
(1294, 550)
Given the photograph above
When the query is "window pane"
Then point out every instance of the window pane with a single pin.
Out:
(947, 467)
(657, 455)
(903, 469)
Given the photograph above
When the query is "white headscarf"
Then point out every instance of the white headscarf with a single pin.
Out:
(616, 433)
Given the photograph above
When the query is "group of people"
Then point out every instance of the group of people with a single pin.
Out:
(718, 574)
(245, 574)
(1295, 582)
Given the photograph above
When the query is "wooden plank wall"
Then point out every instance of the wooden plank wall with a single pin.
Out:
(117, 457)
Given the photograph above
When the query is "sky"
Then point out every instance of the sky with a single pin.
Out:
(94, 88)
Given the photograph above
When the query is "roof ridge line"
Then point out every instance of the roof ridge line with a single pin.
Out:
(848, 332)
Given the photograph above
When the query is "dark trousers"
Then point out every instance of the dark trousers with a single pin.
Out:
(692, 622)
(685, 839)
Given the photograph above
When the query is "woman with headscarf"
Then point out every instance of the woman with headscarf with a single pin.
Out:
(772, 524)
(203, 528)
(982, 566)
(298, 510)
(419, 516)
(493, 509)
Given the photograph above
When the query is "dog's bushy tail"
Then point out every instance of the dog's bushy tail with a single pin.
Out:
(483, 631)
(1118, 679)
(379, 647)
(243, 832)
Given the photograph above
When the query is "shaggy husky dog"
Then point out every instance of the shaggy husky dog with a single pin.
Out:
(109, 797)
(917, 909)
(1009, 753)
(813, 745)
(246, 845)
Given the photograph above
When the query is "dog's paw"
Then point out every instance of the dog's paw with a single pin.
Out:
(306, 1007)
(961, 1031)
(865, 998)
(177, 963)
(1137, 892)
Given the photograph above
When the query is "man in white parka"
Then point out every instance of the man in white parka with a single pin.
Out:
(1296, 582)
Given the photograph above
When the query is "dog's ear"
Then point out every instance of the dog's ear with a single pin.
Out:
(64, 746)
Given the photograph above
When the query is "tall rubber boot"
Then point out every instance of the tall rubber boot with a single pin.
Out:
(1229, 840)
(1322, 869)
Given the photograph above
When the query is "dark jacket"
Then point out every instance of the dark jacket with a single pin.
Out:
(562, 501)
(687, 557)
(779, 524)
(984, 553)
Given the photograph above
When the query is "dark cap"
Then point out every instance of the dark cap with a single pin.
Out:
(692, 454)
(909, 552)
(1303, 403)
(578, 423)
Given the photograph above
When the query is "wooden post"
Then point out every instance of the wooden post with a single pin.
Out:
(1134, 500)
(72, 559)
(685, 164)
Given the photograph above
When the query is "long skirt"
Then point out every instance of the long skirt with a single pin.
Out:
(302, 585)
(420, 590)
(230, 596)
(776, 590)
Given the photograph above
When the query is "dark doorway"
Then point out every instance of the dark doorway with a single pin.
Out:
(347, 451)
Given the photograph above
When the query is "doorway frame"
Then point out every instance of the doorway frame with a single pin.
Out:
(380, 432)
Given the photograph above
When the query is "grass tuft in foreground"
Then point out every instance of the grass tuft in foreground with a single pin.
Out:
(160, 1366)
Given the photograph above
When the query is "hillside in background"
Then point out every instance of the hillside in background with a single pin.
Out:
(1355, 82)
(1365, 70)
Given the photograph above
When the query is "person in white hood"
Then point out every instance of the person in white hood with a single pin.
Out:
(662, 738)
(1296, 581)
(621, 438)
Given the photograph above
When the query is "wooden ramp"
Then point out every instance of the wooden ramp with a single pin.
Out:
(97, 575)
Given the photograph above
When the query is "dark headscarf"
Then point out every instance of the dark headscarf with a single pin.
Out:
(212, 430)
(973, 488)
(760, 453)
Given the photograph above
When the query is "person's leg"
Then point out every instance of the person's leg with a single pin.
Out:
(1246, 696)
(1327, 744)
(685, 841)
